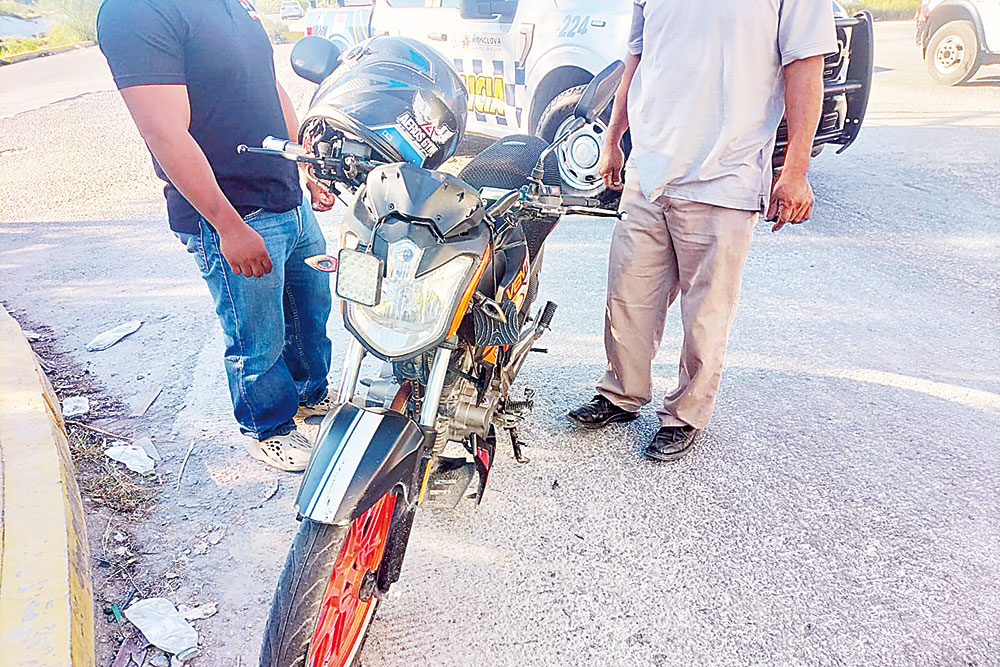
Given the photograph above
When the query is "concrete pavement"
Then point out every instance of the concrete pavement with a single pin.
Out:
(36, 83)
(842, 508)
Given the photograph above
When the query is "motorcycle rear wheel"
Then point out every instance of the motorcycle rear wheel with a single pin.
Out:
(325, 602)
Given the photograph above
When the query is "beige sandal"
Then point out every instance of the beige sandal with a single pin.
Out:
(319, 409)
(288, 452)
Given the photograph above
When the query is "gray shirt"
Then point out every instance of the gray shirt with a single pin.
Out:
(708, 96)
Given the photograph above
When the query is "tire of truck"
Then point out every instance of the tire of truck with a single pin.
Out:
(577, 157)
(953, 54)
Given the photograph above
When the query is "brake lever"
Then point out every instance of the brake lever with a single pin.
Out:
(558, 209)
(596, 212)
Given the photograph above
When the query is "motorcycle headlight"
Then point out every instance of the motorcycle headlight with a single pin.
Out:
(413, 312)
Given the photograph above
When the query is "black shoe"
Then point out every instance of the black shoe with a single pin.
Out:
(600, 412)
(671, 443)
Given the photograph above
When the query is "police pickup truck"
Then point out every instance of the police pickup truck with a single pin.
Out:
(957, 37)
(525, 64)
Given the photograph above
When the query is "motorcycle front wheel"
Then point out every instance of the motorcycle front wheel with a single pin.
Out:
(326, 595)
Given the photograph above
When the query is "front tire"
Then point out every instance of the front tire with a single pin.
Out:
(577, 157)
(953, 55)
(325, 600)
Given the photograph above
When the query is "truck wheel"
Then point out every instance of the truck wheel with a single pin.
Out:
(578, 156)
(953, 55)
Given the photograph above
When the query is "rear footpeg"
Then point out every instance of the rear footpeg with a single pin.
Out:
(548, 312)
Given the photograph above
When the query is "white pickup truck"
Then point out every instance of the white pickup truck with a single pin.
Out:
(525, 64)
(957, 37)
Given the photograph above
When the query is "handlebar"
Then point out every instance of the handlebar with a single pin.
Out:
(279, 148)
(571, 204)
(596, 212)
(547, 204)
(282, 146)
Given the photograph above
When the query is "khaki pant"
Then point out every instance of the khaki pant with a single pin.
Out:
(662, 249)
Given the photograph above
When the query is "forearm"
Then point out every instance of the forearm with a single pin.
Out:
(803, 108)
(288, 111)
(619, 111)
(185, 164)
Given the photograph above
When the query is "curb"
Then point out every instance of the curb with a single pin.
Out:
(46, 598)
(38, 53)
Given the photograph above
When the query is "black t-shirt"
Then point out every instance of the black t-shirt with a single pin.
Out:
(219, 49)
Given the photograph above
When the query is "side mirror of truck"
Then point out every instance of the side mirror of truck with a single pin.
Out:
(314, 58)
(488, 10)
(600, 91)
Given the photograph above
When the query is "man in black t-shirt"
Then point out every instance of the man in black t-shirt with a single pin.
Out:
(198, 78)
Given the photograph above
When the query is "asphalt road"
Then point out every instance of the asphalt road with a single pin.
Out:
(843, 508)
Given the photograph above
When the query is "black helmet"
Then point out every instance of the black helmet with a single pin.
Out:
(399, 96)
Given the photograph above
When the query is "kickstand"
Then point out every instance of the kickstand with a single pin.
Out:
(518, 455)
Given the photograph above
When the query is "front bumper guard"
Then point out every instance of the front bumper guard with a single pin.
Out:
(857, 86)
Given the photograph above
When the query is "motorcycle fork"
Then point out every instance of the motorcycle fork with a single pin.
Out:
(399, 533)
(349, 375)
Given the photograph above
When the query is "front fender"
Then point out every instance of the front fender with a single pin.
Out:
(952, 10)
(359, 456)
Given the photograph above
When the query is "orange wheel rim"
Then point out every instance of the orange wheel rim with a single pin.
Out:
(343, 614)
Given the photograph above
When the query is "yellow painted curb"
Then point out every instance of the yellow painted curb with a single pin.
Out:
(46, 598)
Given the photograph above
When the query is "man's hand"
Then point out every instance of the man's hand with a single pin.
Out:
(612, 156)
(322, 199)
(245, 251)
(792, 196)
(791, 200)
(611, 164)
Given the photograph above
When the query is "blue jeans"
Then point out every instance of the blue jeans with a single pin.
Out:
(277, 349)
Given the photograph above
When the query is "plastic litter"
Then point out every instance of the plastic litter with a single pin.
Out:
(147, 445)
(133, 456)
(160, 622)
(199, 612)
(111, 336)
(75, 406)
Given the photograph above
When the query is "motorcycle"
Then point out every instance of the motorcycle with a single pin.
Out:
(437, 277)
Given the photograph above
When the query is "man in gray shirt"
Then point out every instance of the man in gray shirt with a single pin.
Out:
(704, 90)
